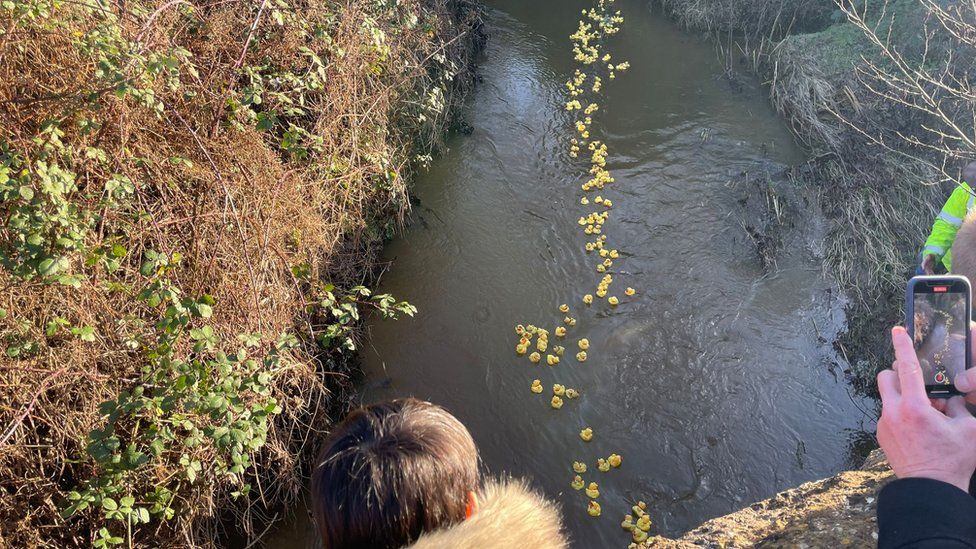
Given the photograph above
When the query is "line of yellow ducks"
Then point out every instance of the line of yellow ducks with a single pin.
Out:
(597, 23)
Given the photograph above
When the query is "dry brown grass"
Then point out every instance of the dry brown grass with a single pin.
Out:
(242, 212)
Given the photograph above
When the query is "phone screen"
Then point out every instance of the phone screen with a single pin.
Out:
(940, 323)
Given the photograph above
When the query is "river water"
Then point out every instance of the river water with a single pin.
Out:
(714, 382)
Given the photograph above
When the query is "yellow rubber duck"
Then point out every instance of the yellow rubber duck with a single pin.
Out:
(588, 229)
(594, 509)
(579, 467)
(581, 356)
(584, 201)
(600, 268)
(536, 386)
(608, 262)
(602, 465)
(601, 293)
(577, 483)
(552, 360)
(644, 522)
(564, 308)
(608, 203)
(535, 358)
(584, 344)
(542, 344)
(572, 393)
(586, 434)
(598, 199)
(627, 523)
(630, 291)
(521, 349)
(593, 491)
(558, 390)
(519, 329)
(640, 509)
(604, 253)
(588, 299)
(558, 350)
(560, 331)
(543, 333)
(614, 254)
(570, 321)
(589, 246)
(638, 535)
(614, 460)
(612, 300)
(556, 402)
(531, 329)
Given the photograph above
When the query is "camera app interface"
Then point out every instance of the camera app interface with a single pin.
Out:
(940, 334)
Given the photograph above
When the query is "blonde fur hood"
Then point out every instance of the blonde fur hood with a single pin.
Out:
(510, 516)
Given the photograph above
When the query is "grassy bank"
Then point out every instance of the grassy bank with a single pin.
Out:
(192, 197)
(873, 93)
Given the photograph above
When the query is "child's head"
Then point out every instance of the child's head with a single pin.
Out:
(969, 173)
(390, 472)
(964, 249)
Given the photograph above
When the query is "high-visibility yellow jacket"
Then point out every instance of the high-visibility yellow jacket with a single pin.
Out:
(947, 223)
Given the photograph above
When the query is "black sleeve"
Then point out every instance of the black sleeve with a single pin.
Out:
(923, 513)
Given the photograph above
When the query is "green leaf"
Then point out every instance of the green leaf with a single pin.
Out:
(109, 504)
(204, 310)
(86, 333)
(46, 266)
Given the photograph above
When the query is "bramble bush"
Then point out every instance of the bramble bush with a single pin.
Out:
(189, 199)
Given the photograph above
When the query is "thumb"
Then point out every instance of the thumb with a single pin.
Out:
(965, 381)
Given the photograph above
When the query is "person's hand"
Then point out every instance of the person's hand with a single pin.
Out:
(965, 382)
(928, 264)
(919, 440)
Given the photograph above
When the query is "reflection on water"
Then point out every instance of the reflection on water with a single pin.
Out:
(711, 382)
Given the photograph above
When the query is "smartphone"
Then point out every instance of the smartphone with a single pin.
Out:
(938, 312)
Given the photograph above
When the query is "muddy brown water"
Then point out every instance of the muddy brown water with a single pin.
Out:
(715, 383)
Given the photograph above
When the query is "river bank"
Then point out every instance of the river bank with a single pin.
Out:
(835, 512)
(193, 199)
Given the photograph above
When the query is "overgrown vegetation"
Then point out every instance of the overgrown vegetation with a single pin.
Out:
(191, 196)
(880, 93)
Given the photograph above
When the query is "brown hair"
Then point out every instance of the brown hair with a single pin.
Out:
(964, 249)
(390, 472)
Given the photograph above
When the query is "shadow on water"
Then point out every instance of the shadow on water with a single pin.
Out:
(713, 382)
